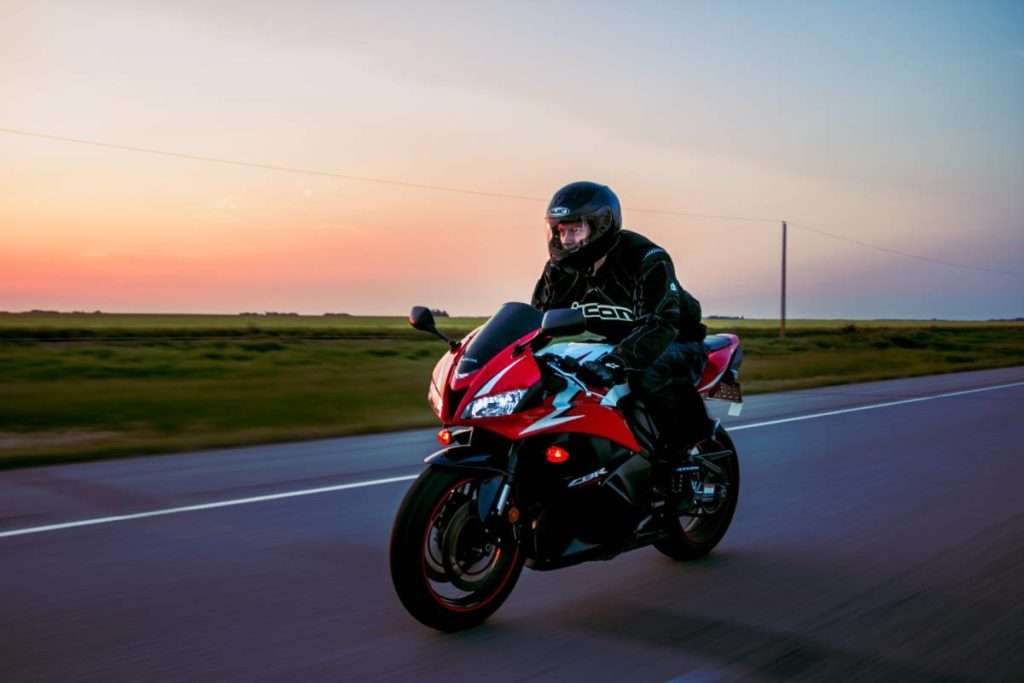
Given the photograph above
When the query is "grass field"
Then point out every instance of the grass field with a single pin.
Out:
(86, 386)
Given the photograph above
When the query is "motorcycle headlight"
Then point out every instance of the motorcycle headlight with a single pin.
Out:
(494, 406)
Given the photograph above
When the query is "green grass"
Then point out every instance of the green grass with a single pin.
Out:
(78, 387)
(68, 326)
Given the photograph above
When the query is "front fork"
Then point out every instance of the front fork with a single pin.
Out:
(496, 511)
(492, 497)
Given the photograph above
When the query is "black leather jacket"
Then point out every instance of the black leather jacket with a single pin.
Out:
(633, 299)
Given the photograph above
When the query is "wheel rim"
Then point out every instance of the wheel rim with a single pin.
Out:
(464, 569)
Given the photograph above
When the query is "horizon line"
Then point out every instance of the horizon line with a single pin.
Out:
(341, 314)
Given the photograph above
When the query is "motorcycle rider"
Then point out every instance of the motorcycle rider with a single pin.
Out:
(627, 288)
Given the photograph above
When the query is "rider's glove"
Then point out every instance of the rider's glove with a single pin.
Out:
(608, 371)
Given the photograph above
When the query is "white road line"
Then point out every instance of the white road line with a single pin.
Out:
(873, 406)
(391, 480)
(205, 506)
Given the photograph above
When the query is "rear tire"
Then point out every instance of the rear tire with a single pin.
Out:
(691, 537)
(439, 566)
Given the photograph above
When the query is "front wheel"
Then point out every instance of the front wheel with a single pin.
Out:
(450, 570)
(698, 529)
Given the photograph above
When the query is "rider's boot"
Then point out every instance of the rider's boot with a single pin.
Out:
(705, 439)
(673, 466)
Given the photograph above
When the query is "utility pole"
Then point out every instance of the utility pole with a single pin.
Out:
(782, 320)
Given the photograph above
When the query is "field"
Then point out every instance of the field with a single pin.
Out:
(97, 385)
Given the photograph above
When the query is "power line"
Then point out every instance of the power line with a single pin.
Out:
(478, 193)
(344, 176)
(926, 259)
(717, 217)
(267, 167)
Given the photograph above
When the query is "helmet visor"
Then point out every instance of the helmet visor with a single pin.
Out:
(570, 234)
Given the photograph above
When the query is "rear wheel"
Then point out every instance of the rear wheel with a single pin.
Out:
(450, 570)
(697, 529)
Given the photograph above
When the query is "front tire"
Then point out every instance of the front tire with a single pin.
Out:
(691, 536)
(448, 570)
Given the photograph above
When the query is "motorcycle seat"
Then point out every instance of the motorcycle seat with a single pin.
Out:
(714, 342)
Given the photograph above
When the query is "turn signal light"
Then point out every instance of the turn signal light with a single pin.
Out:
(556, 455)
(445, 437)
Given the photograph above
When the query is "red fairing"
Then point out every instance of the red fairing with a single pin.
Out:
(587, 416)
(515, 368)
(507, 372)
(718, 363)
(517, 372)
(439, 383)
(442, 380)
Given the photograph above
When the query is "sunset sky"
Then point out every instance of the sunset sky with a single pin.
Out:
(898, 125)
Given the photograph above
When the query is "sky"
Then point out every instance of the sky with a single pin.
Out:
(872, 128)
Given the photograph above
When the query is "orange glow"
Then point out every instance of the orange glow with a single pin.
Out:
(556, 455)
(445, 437)
(225, 177)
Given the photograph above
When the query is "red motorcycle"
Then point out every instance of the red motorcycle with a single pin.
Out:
(543, 469)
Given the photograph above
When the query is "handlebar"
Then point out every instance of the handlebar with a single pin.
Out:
(567, 363)
(568, 368)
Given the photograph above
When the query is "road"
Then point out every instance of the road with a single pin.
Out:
(879, 536)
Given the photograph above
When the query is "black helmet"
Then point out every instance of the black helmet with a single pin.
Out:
(598, 207)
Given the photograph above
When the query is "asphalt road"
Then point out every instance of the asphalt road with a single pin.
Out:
(877, 544)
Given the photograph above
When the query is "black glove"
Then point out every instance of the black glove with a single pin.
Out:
(608, 371)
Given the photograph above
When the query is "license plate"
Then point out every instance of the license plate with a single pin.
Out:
(727, 392)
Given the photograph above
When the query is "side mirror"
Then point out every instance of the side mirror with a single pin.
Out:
(422, 319)
(563, 322)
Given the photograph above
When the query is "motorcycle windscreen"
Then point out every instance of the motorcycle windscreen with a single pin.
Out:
(512, 321)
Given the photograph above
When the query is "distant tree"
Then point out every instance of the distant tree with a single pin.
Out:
(439, 313)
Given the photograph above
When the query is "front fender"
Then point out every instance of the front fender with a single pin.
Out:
(468, 457)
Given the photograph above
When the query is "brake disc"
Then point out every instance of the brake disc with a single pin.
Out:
(468, 556)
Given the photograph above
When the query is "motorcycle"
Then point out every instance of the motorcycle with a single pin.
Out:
(543, 469)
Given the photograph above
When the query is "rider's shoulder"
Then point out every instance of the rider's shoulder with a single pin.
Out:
(635, 249)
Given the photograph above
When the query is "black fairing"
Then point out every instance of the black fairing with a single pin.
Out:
(512, 321)
(588, 507)
(576, 511)
(640, 422)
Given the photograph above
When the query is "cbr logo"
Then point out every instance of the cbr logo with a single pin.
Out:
(604, 311)
(587, 477)
(558, 212)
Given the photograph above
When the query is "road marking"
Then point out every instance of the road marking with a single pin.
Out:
(873, 406)
(205, 506)
(392, 480)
